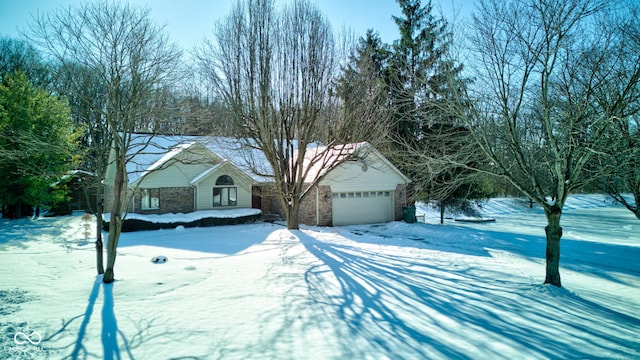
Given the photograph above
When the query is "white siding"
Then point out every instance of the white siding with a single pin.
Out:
(363, 191)
(370, 175)
(175, 175)
(204, 189)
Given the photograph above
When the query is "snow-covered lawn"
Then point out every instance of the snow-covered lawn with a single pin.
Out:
(384, 291)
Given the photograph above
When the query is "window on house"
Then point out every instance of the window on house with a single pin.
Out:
(223, 194)
(224, 180)
(150, 199)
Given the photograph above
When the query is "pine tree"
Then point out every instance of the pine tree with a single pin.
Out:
(36, 144)
(420, 68)
(363, 93)
(422, 79)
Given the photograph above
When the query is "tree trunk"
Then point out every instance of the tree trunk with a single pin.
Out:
(99, 245)
(115, 225)
(554, 233)
(293, 210)
(441, 212)
(99, 248)
(112, 244)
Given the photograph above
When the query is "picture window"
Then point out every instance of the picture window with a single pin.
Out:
(223, 194)
(150, 199)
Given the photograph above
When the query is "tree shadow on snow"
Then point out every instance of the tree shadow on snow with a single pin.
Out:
(113, 340)
(401, 306)
(110, 331)
(606, 260)
(79, 348)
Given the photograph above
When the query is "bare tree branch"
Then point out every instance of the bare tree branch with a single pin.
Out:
(132, 60)
(274, 69)
(532, 117)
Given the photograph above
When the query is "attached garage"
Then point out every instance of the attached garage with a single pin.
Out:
(362, 207)
(364, 189)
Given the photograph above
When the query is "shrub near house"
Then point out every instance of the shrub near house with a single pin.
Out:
(140, 222)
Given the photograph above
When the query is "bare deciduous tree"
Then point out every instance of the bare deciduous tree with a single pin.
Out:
(534, 126)
(618, 69)
(83, 88)
(274, 68)
(133, 60)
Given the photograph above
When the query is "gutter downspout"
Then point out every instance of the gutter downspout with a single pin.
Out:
(195, 198)
(133, 202)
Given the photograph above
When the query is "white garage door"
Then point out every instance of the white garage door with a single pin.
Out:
(365, 207)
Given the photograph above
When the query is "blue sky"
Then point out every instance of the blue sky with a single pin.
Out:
(189, 21)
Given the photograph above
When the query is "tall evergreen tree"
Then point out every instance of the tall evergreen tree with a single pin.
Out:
(420, 70)
(36, 144)
(422, 78)
(363, 93)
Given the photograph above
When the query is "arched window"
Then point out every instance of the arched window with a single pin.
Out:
(224, 194)
(224, 180)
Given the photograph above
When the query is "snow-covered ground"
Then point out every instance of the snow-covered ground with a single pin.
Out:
(384, 291)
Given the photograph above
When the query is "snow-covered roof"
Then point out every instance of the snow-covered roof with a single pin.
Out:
(173, 152)
(320, 159)
(206, 173)
(323, 159)
(150, 152)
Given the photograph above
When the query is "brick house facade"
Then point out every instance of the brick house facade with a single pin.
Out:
(322, 214)
(170, 200)
(182, 177)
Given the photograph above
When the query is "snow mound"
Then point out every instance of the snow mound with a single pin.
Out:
(189, 217)
(180, 221)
